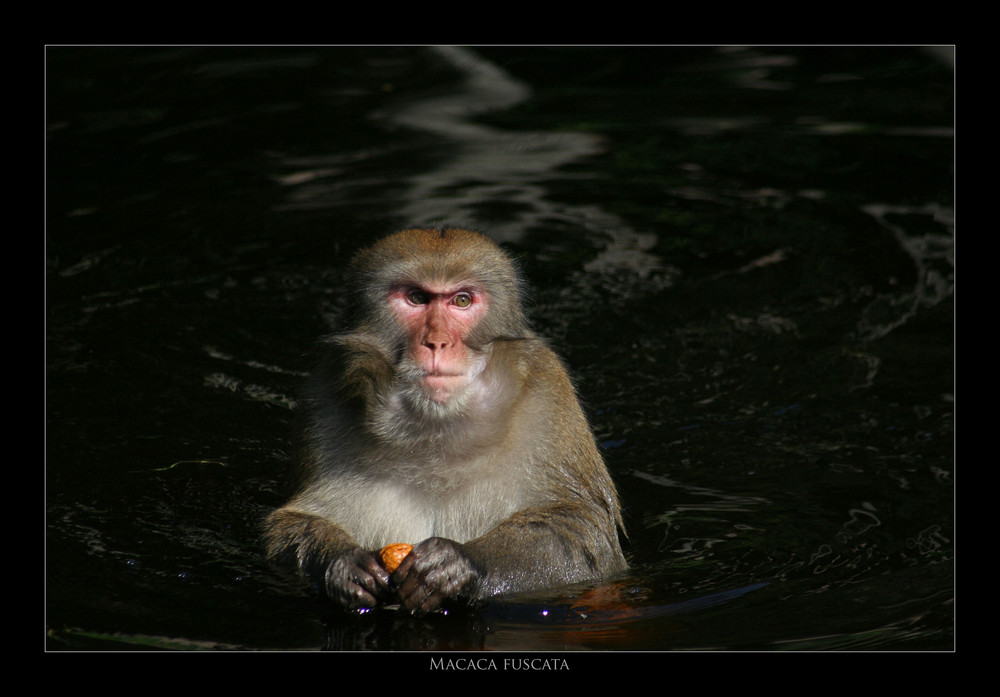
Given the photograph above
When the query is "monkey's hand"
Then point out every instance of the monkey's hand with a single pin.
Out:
(355, 579)
(436, 569)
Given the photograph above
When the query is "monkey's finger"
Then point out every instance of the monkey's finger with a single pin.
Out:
(379, 577)
(421, 601)
(431, 603)
(404, 570)
(354, 596)
(414, 592)
(407, 582)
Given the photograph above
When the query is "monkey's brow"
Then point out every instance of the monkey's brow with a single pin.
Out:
(452, 289)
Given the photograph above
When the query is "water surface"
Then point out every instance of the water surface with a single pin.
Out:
(744, 254)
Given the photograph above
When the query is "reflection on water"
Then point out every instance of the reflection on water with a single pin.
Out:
(489, 178)
(933, 258)
(745, 255)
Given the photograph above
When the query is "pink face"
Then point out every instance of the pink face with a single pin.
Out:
(437, 318)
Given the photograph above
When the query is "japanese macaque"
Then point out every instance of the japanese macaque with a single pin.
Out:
(443, 421)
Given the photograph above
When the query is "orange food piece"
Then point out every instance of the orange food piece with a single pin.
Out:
(392, 555)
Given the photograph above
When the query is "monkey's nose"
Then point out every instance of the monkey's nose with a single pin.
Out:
(435, 342)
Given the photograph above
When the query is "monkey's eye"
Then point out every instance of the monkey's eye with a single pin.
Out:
(462, 300)
(418, 297)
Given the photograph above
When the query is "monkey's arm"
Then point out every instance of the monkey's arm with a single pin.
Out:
(322, 550)
(546, 547)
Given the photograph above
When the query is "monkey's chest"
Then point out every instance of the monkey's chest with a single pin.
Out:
(389, 513)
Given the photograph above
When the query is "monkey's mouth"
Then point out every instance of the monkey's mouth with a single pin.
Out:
(441, 386)
(442, 377)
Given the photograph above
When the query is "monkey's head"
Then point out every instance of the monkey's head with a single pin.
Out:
(437, 298)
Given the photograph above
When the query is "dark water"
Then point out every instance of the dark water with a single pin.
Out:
(745, 255)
